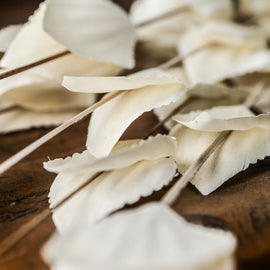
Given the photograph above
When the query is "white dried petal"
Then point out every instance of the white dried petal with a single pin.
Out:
(249, 142)
(203, 96)
(249, 83)
(160, 240)
(165, 32)
(19, 119)
(222, 118)
(144, 10)
(258, 8)
(109, 121)
(36, 93)
(124, 154)
(151, 77)
(108, 192)
(95, 29)
(32, 44)
(244, 47)
(211, 8)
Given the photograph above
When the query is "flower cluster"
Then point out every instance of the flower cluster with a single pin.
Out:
(219, 73)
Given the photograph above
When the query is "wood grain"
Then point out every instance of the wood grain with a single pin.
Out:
(241, 205)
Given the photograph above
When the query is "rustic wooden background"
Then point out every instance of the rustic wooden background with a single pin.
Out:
(242, 205)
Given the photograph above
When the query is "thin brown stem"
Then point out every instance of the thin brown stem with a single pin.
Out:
(164, 16)
(180, 58)
(170, 197)
(12, 72)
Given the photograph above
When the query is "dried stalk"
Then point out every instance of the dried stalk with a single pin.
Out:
(15, 71)
(164, 16)
(170, 197)
(180, 58)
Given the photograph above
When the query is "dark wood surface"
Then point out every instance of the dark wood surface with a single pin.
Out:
(241, 205)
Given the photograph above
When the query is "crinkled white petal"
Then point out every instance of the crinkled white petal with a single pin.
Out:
(144, 10)
(108, 84)
(96, 29)
(241, 149)
(108, 192)
(150, 237)
(109, 121)
(203, 96)
(124, 154)
(222, 118)
(212, 8)
(19, 119)
(165, 32)
(238, 50)
(7, 34)
(36, 93)
(234, 35)
(32, 44)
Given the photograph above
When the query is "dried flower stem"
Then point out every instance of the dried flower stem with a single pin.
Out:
(15, 71)
(164, 16)
(180, 58)
(170, 197)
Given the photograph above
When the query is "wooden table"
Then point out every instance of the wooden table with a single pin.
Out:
(242, 205)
